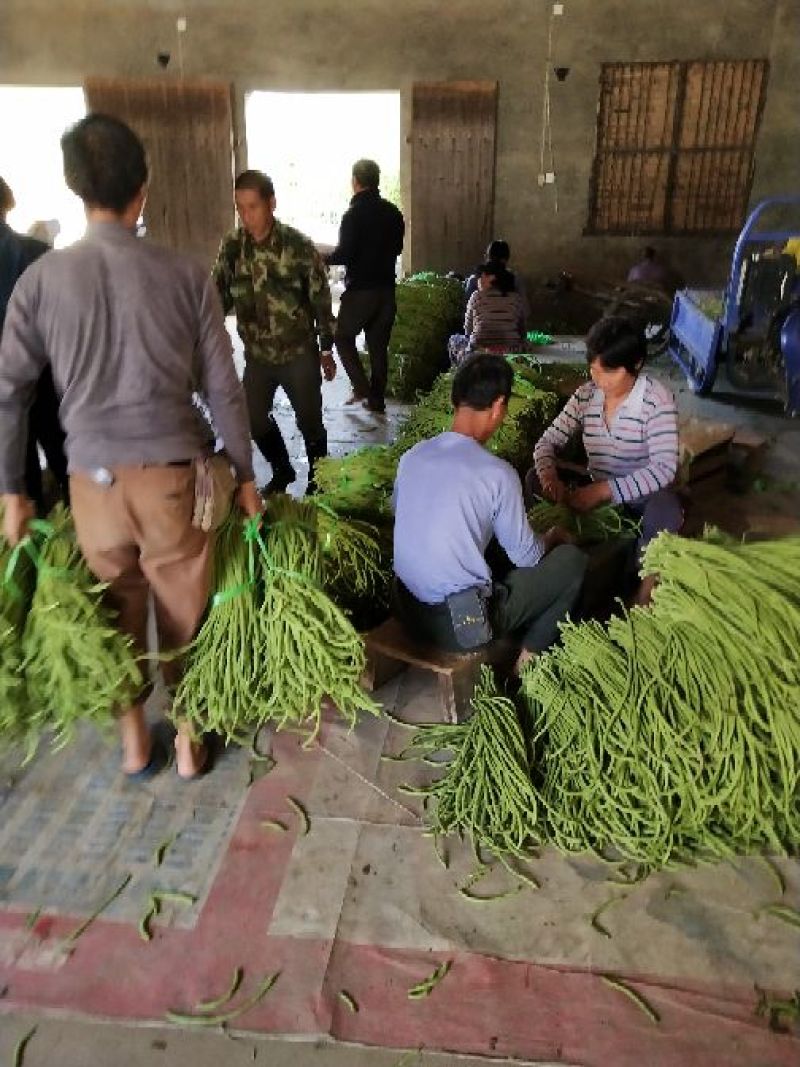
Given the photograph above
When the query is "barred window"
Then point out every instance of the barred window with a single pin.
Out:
(675, 146)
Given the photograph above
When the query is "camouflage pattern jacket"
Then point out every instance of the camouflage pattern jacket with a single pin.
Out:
(279, 291)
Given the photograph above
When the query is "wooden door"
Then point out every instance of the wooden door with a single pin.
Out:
(453, 130)
(187, 130)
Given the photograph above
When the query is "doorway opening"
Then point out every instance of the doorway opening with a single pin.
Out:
(308, 142)
(30, 160)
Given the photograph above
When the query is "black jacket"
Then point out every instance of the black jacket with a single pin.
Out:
(370, 240)
(16, 255)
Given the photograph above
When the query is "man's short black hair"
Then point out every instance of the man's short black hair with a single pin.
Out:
(367, 173)
(257, 182)
(617, 342)
(480, 380)
(104, 162)
(499, 250)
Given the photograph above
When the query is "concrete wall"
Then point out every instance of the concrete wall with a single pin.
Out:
(388, 44)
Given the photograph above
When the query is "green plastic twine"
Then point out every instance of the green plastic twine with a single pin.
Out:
(251, 532)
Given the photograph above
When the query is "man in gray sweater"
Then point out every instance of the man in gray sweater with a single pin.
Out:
(131, 331)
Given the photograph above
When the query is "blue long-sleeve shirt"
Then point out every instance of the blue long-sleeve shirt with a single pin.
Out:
(451, 497)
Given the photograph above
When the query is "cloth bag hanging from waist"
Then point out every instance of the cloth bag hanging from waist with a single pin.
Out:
(214, 486)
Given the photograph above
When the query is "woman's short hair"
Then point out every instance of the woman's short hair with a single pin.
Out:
(480, 380)
(256, 181)
(617, 342)
(104, 162)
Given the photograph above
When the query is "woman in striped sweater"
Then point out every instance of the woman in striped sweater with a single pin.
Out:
(628, 422)
(495, 316)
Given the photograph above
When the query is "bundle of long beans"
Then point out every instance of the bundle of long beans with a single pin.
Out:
(430, 307)
(485, 791)
(675, 731)
(16, 589)
(230, 653)
(356, 565)
(78, 666)
(529, 413)
(314, 651)
(602, 523)
(559, 378)
(359, 484)
(351, 553)
(274, 645)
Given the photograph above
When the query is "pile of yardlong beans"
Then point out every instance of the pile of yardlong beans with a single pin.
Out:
(529, 412)
(229, 655)
(430, 307)
(485, 791)
(360, 483)
(314, 651)
(274, 645)
(674, 732)
(352, 561)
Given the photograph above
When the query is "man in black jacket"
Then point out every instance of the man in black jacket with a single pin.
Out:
(370, 240)
(44, 428)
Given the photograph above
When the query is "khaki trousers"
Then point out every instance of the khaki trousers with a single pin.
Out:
(137, 535)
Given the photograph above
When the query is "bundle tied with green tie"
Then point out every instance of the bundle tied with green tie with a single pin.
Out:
(63, 660)
(274, 646)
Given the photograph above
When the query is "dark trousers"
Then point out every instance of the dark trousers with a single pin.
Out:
(373, 311)
(44, 428)
(528, 604)
(301, 380)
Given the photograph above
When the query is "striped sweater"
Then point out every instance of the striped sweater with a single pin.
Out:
(494, 318)
(637, 454)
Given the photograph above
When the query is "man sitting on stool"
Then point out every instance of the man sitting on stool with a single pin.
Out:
(451, 497)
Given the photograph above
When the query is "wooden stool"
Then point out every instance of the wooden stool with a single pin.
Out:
(390, 650)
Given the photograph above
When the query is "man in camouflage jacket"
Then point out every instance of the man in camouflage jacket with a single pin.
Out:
(275, 281)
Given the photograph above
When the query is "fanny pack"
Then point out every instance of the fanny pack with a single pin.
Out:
(214, 485)
(469, 615)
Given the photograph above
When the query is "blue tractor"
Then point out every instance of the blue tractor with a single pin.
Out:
(753, 324)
